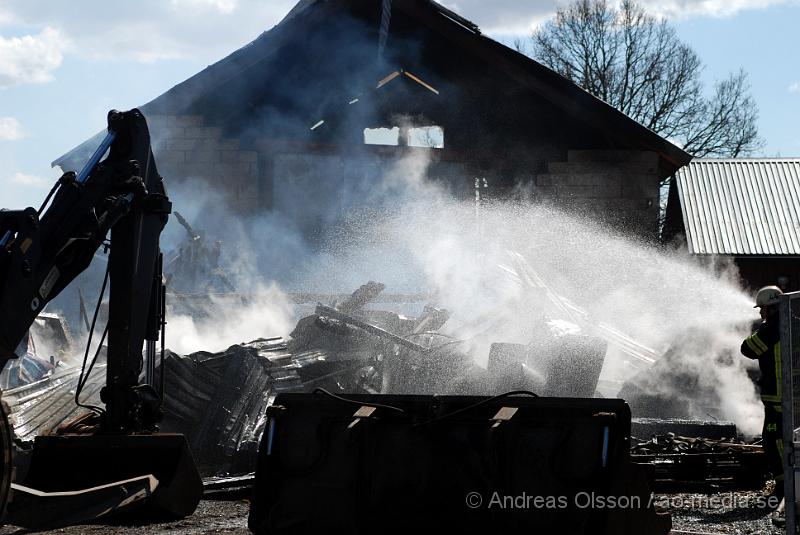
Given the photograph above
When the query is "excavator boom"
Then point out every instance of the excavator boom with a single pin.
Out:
(118, 203)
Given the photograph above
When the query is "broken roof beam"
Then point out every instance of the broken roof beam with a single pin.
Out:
(193, 236)
(323, 310)
(431, 319)
(362, 296)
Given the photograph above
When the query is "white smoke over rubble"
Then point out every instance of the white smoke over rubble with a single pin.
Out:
(251, 249)
(227, 320)
(422, 240)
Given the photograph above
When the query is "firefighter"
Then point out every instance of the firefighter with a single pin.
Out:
(764, 345)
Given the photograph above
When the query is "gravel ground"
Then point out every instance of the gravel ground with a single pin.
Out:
(699, 513)
(740, 513)
(219, 517)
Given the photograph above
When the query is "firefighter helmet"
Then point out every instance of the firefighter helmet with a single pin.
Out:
(767, 296)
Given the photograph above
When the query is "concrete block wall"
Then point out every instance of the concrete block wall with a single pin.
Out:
(187, 151)
(620, 188)
(617, 187)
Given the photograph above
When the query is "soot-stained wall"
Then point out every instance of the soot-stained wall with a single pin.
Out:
(244, 125)
(314, 182)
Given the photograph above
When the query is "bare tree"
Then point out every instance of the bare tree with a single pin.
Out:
(636, 63)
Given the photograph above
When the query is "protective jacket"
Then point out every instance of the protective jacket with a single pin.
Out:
(765, 346)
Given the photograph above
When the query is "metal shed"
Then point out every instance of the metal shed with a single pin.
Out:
(745, 209)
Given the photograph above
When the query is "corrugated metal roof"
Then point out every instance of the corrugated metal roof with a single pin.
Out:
(741, 206)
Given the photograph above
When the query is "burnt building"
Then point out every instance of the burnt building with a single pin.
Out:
(743, 210)
(309, 116)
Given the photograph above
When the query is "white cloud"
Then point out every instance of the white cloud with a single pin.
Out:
(684, 9)
(794, 88)
(206, 30)
(10, 129)
(519, 17)
(505, 17)
(223, 6)
(150, 30)
(33, 181)
(30, 59)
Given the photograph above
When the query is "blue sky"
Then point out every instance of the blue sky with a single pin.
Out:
(765, 43)
(63, 65)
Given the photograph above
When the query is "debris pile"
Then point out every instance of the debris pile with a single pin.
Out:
(701, 463)
(218, 400)
(49, 340)
(672, 444)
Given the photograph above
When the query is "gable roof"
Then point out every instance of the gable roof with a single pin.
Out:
(465, 38)
(741, 206)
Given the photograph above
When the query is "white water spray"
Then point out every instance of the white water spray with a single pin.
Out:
(427, 242)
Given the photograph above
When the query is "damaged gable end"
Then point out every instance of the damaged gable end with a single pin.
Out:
(280, 123)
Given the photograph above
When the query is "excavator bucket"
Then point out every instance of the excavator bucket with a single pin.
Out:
(80, 478)
(507, 464)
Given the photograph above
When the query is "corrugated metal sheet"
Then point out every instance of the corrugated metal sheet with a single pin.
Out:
(741, 206)
(216, 399)
(39, 408)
